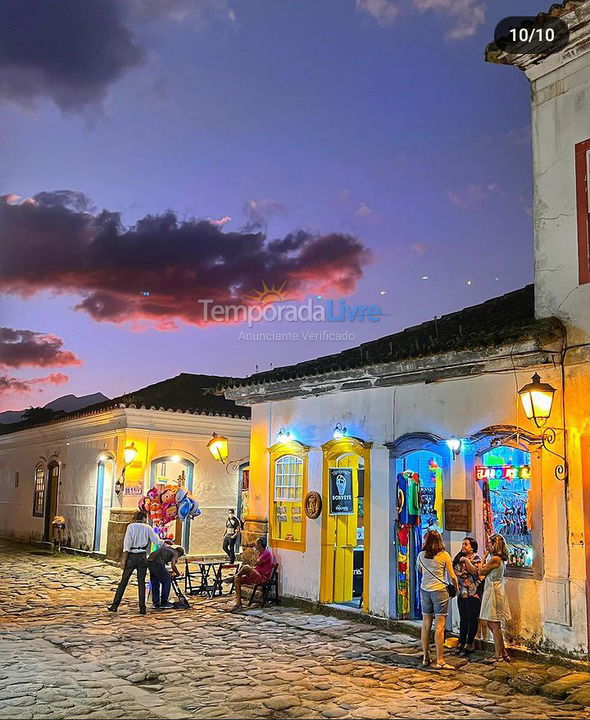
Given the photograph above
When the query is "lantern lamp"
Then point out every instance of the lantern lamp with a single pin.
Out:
(537, 400)
(218, 448)
(454, 445)
(284, 435)
(339, 431)
(129, 454)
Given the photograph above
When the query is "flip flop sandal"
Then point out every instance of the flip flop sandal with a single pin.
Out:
(492, 660)
(426, 662)
(442, 666)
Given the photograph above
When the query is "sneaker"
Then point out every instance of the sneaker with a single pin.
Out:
(166, 606)
(112, 608)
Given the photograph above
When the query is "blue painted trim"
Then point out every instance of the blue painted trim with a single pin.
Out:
(99, 502)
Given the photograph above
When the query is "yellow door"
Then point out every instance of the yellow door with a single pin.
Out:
(343, 532)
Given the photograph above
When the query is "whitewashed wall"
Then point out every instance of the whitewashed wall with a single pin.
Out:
(76, 444)
(560, 119)
(460, 408)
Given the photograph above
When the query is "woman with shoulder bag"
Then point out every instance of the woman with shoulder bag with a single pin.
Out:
(434, 562)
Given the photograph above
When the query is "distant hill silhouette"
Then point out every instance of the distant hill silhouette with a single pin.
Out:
(66, 403)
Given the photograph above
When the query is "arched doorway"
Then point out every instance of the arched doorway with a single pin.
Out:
(345, 523)
(175, 469)
(105, 472)
(419, 476)
(51, 497)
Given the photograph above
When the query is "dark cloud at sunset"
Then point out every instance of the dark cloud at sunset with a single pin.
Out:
(15, 386)
(68, 51)
(26, 348)
(160, 268)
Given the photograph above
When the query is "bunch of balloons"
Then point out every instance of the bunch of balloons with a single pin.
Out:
(166, 504)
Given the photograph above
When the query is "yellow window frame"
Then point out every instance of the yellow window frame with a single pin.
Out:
(277, 451)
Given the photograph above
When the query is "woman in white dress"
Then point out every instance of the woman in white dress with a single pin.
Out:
(494, 604)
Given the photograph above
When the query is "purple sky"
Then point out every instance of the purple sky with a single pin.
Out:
(371, 125)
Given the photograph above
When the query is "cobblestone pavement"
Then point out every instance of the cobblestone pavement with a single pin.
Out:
(63, 656)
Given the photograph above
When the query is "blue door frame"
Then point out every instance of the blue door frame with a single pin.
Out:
(189, 465)
(99, 503)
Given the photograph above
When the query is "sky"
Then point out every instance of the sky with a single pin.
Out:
(156, 154)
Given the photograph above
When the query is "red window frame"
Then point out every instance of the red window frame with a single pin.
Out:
(583, 211)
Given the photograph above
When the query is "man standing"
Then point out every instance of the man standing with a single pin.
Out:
(137, 539)
(257, 575)
(230, 537)
(159, 575)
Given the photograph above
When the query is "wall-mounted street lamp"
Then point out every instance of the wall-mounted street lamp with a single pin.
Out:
(339, 431)
(129, 455)
(537, 400)
(537, 403)
(284, 435)
(454, 445)
(219, 447)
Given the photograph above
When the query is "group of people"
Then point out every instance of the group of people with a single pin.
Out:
(139, 537)
(480, 591)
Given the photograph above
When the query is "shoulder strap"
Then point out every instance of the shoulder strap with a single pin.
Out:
(430, 571)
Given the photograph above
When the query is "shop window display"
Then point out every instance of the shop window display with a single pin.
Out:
(419, 492)
(288, 498)
(505, 479)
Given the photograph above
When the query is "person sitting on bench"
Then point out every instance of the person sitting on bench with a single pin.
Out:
(257, 575)
(159, 575)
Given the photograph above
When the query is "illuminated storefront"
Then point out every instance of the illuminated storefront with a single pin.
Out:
(505, 481)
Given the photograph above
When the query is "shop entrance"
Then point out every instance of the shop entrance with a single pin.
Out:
(175, 470)
(104, 489)
(418, 506)
(345, 544)
(51, 498)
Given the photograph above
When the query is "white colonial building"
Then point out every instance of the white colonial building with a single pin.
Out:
(75, 465)
(435, 409)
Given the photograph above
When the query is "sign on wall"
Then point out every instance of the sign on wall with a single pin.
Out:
(458, 515)
(133, 489)
(341, 499)
(502, 472)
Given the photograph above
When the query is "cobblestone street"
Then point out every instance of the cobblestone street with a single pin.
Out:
(63, 656)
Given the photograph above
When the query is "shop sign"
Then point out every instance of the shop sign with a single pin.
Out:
(503, 472)
(133, 489)
(458, 515)
(341, 500)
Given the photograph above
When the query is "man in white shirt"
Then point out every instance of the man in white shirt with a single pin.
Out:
(138, 537)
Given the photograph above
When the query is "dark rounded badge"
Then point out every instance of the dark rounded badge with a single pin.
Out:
(313, 505)
(531, 35)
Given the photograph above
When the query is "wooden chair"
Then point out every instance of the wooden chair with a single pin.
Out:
(271, 584)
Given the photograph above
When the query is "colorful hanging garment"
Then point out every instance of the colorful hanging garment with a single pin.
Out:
(402, 579)
(437, 476)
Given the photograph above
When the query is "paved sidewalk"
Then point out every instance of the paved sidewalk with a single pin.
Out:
(63, 656)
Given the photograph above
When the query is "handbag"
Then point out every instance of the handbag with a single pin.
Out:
(451, 589)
